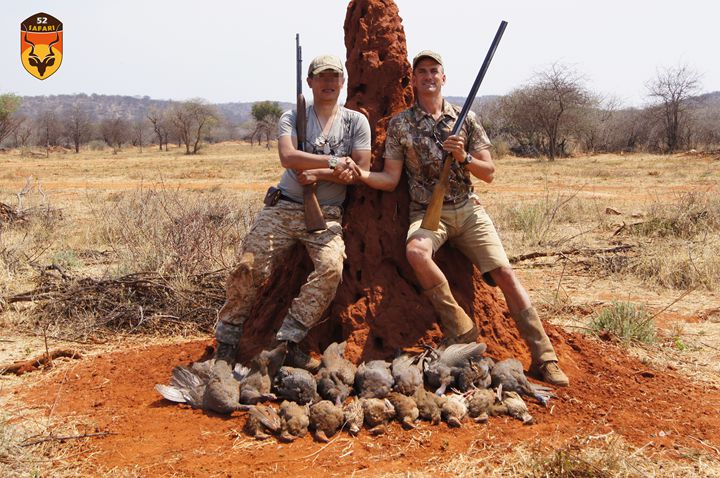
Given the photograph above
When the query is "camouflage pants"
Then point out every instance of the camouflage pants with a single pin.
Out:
(276, 229)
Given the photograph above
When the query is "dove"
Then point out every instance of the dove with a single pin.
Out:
(454, 409)
(512, 404)
(256, 386)
(262, 421)
(325, 419)
(406, 410)
(509, 374)
(354, 416)
(373, 379)
(378, 412)
(204, 390)
(295, 420)
(295, 384)
(479, 404)
(407, 374)
(445, 364)
(428, 405)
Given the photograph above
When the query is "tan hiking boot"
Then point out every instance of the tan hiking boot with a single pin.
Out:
(456, 325)
(550, 372)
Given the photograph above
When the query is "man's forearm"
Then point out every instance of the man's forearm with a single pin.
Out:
(325, 174)
(378, 180)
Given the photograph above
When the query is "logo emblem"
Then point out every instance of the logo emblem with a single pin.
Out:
(41, 45)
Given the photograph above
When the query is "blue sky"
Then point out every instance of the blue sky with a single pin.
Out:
(244, 51)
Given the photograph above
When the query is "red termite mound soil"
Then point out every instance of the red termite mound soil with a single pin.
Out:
(609, 392)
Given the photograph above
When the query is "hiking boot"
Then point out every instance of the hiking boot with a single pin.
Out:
(299, 359)
(551, 373)
(226, 353)
(468, 337)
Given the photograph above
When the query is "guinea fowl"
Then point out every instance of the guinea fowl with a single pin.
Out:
(295, 384)
(374, 379)
(407, 374)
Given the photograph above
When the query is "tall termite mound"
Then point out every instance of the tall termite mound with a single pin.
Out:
(379, 307)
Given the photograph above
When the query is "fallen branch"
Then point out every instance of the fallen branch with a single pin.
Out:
(25, 366)
(569, 252)
(68, 437)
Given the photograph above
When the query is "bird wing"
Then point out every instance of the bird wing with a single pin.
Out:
(457, 355)
(171, 393)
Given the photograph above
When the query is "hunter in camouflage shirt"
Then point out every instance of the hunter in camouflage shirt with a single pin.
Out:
(416, 137)
(417, 140)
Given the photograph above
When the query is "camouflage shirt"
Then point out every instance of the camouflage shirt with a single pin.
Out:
(412, 137)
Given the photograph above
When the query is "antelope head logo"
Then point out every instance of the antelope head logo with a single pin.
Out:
(46, 61)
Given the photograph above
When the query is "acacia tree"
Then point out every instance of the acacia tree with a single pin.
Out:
(115, 132)
(671, 89)
(266, 115)
(193, 120)
(77, 126)
(49, 129)
(160, 122)
(549, 111)
(8, 121)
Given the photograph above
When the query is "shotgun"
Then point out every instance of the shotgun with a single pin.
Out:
(314, 220)
(431, 219)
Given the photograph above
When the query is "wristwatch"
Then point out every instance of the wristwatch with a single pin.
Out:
(467, 161)
(332, 162)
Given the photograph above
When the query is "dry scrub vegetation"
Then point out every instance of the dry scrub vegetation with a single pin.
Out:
(106, 246)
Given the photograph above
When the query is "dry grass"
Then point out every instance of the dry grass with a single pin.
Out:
(177, 217)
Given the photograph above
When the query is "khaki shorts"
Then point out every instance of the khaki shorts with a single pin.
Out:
(468, 228)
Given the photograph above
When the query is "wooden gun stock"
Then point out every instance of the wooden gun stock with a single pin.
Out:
(314, 220)
(431, 219)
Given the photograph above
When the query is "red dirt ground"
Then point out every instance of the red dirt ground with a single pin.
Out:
(609, 392)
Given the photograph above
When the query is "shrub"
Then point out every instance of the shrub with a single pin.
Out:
(626, 321)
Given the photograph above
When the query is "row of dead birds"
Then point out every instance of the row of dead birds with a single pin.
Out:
(381, 391)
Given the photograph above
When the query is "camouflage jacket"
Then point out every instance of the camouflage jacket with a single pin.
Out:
(413, 137)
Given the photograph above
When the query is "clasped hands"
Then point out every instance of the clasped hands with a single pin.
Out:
(346, 171)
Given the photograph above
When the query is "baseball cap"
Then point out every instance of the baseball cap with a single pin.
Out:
(427, 54)
(325, 62)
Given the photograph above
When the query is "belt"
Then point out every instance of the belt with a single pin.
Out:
(285, 198)
(456, 202)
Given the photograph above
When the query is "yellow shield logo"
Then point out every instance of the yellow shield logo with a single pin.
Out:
(41, 45)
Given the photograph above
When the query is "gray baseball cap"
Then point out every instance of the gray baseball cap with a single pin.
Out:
(427, 54)
(325, 62)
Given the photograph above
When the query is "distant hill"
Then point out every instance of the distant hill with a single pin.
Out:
(128, 107)
(134, 107)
